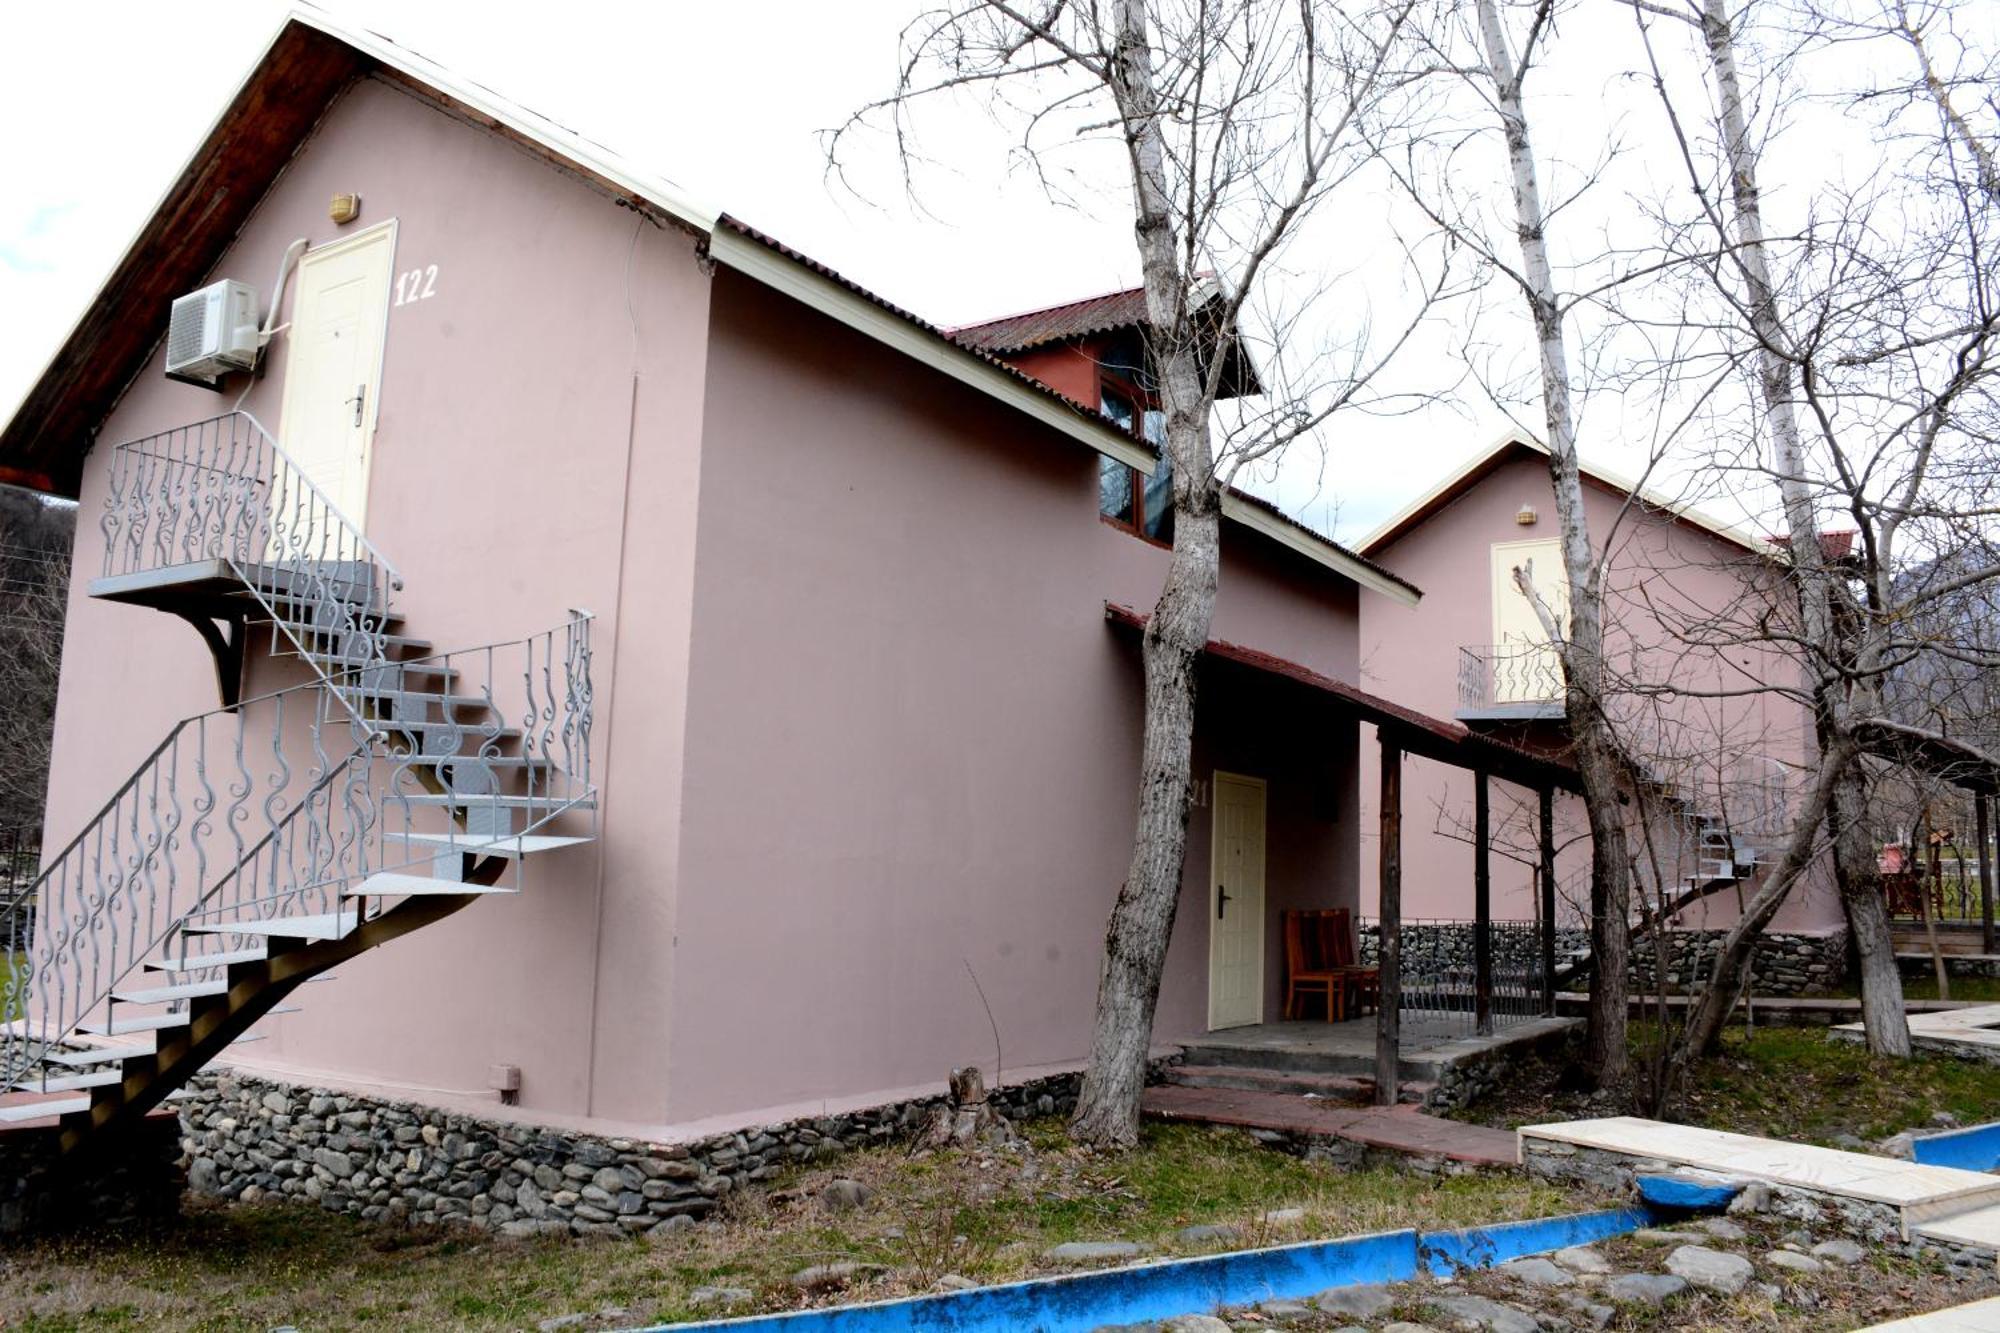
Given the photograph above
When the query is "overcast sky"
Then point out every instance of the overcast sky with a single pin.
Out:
(106, 100)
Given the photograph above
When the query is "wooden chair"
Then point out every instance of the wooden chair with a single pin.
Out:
(1305, 975)
(1363, 983)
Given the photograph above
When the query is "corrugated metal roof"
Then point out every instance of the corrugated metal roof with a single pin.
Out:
(1057, 323)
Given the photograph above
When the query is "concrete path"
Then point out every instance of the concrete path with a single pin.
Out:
(1939, 1202)
(1978, 1317)
(1972, 1031)
(1402, 1129)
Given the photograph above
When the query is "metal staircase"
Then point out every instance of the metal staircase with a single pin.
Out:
(261, 844)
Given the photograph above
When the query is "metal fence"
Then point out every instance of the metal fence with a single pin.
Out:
(1440, 994)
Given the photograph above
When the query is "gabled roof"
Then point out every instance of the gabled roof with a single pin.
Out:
(1512, 445)
(309, 62)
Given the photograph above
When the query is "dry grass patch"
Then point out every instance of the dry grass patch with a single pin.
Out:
(980, 1215)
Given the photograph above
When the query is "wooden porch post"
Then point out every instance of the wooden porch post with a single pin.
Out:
(1985, 876)
(1390, 955)
(1482, 904)
(1548, 878)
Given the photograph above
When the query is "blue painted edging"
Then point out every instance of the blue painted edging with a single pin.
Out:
(1690, 1195)
(1446, 1252)
(1084, 1301)
(1974, 1149)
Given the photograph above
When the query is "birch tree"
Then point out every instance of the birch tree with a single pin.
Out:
(1870, 351)
(1232, 126)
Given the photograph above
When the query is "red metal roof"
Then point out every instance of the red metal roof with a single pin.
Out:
(1033, 328)
(1834, 547)
(1451, 742)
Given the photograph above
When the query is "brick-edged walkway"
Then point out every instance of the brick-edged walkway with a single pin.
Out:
(1402, 1129)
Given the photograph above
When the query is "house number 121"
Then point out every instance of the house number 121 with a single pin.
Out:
(419, 284)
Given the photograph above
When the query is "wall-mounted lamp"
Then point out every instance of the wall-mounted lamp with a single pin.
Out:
(1526, 516)
(344, 208)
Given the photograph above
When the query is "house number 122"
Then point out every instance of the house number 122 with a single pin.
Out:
(419, 284)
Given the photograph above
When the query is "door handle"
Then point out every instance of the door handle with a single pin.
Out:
(1221, 900)
(359, 399)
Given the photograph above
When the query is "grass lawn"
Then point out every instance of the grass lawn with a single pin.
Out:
(985, 1216)
(1786, 1083)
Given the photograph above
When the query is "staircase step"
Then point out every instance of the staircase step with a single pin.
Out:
(95, 1055)
(513, 845)
(427, 698)
(504, 801)
(22, 1112)
(117, 1026)
(336, 664)
(389, 884)
(1327, 1087)
(71, 1082)
(186, 990)
(318, 926)
(201, 962)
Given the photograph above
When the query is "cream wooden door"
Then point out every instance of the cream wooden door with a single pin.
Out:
(1525, 668)
(1236, 904)
(333, 372)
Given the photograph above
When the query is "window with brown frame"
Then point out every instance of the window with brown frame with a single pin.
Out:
(1126, 498)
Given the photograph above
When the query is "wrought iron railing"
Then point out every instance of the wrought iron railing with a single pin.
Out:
(223, 490)
(1496, 675)
(1440, 993)
(277, 806)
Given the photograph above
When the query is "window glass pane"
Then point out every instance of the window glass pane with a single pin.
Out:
(1156, 426)
(1160, 502)
(1118, 408)
(1114, 489)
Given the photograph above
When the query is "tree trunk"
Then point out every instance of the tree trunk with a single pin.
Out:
(1882, 1014)
(1142, 918)
(1711, 1006)
(1607, 1054)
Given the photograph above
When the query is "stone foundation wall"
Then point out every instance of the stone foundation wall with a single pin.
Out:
(41, 1194)
(1782, 964)
(251, 1138)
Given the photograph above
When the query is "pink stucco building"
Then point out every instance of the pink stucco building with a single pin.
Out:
(856, 739)
(716, 688)
(1683, 593)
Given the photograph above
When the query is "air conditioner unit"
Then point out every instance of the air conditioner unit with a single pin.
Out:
(213, 331)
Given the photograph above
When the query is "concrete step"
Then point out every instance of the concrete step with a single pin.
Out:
(186, 990)
(510, 845)
(1328, 1087)
(317, 926)
(71, 1082)
(390, 885)
(201, 962)
(120, 1025)
(85, 1057)
(1973, 1229)
(21, 1112)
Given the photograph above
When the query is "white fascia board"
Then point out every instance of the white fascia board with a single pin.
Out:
(1261, 520)
(756, 260)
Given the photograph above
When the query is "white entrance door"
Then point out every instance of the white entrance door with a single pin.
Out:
(1236, 904)
(333, 373)
(1525, 668)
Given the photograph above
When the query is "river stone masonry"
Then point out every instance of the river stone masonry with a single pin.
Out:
(251, 1138)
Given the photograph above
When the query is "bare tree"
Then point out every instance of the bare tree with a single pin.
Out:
(1870, 413)
(1233, 124)
(34, 591)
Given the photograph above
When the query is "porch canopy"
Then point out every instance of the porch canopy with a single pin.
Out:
(1401, 731)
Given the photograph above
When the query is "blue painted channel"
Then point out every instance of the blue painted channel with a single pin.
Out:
(1079, 1302)
(1973, 1149)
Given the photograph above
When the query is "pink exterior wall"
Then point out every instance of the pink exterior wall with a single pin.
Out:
(871, 727)
(1412, 656)
(912, 736)
(537, 450)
